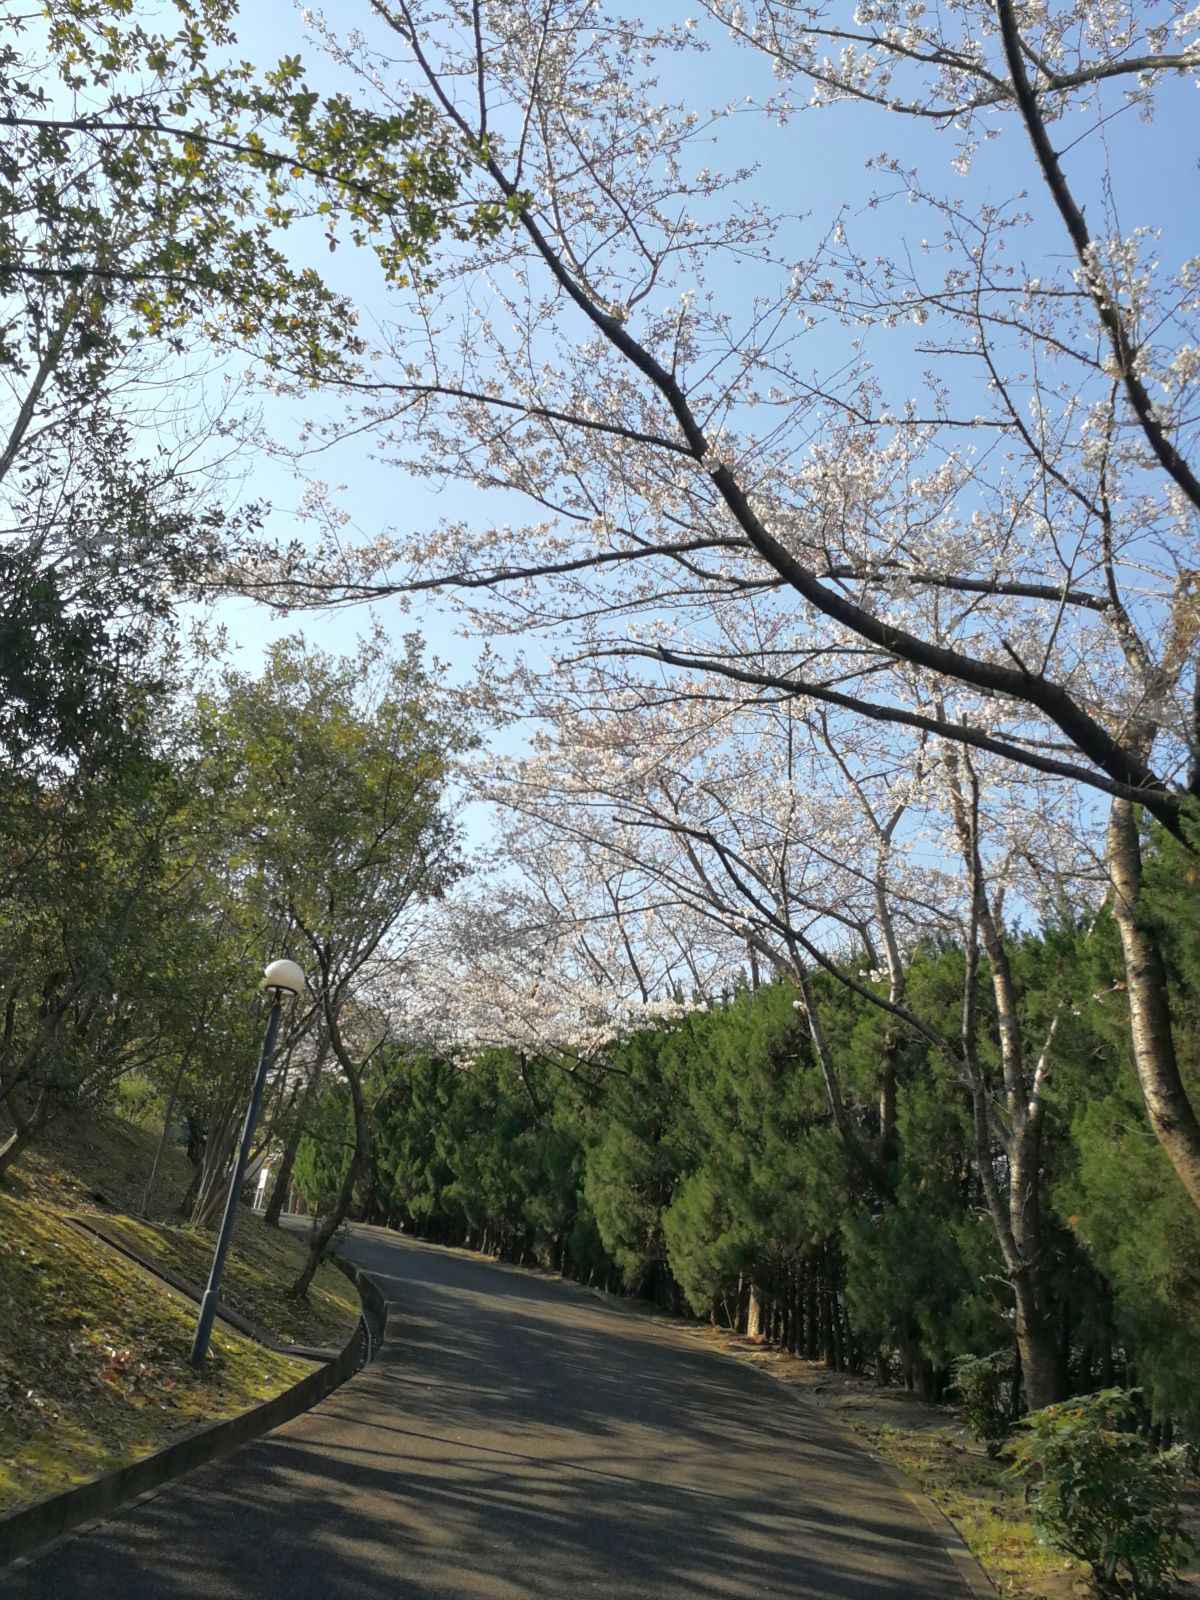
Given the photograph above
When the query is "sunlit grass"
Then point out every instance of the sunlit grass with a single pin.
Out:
(262, 1262)
(985, 1505)
(93, 1358)
(93, 1349)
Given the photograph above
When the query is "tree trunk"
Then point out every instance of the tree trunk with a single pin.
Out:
(754, 1313)
(887, 1097)
(324, 1231)
(165, 1134)
(193, 1188)
(1171, 1114)
(828, 1354)
(1017, 1216)
(279, 1191)
(357, 1164)
(10, 1150)
(25, 1130)
(1038, 1348)
(812, 1332)
(216, 1166)
(283, 1178)
(1015, 1407)
(835, 1327)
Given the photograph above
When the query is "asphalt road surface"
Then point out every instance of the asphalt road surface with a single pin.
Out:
(519, 1438)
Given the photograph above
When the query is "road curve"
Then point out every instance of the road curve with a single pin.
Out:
(518, 1438)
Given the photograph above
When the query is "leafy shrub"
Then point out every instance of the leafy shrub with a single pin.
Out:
(980, 1384)
(1101, 1494)
(138, 1101)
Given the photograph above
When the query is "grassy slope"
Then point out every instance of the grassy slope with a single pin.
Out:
(107, 1175)
(93, 1358)
(260, 1261)
(93, 1350)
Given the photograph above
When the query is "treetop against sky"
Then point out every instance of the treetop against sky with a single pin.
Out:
(813, 301)
(884, 365)
(819, 309)
(798, 413)
(697, 354)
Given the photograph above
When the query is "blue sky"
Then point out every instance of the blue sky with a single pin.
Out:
(816, 166)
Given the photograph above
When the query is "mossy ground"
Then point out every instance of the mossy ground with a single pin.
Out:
(261, 1261)
(93, 1349)
(985, 1505)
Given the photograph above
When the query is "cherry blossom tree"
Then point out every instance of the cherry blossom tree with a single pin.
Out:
(823, 846)
(942, 482)
(556, 956)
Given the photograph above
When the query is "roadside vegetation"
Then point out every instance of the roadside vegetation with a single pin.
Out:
(94, 1349)
(838, 981)
(697, 1165)
(262, 1264)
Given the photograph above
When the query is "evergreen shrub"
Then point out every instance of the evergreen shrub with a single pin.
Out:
(1101, 1494)
(979, 1381)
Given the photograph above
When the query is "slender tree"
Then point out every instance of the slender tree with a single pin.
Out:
(331, 780)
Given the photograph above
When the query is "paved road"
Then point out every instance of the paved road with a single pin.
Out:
(519, 1440)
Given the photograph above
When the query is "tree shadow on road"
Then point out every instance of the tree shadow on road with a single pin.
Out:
(517, 1441)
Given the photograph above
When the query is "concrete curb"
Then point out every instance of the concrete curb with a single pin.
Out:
(375, 1305)
(28, 1528)
(974, 1575)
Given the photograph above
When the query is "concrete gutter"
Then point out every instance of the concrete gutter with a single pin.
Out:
(30, 1527)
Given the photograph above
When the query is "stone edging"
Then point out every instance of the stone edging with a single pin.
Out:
(970, 1569)
(30, 1527)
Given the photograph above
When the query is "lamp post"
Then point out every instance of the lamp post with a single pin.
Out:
(281, 977)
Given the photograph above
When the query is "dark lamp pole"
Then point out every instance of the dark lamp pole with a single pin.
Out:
(281, 977)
